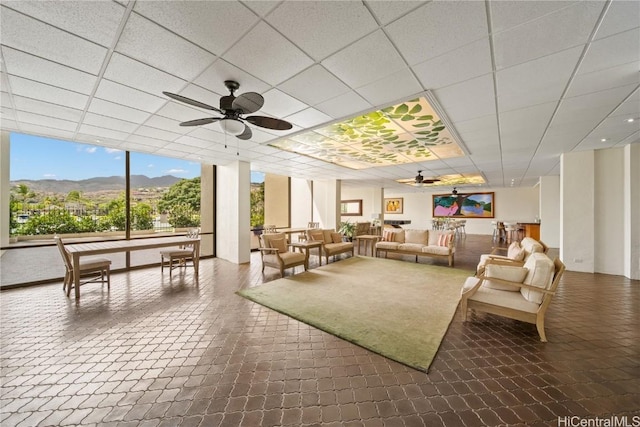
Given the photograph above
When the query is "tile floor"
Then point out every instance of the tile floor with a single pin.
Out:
(155, 352)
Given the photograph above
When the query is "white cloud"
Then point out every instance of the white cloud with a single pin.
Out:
(49, 175)
(151, 165)
(112, 150)
(91, 150)
(176, 171)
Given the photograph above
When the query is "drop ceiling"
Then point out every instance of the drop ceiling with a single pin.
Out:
(516, 83)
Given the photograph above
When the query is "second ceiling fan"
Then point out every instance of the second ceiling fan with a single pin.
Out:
(233, 110)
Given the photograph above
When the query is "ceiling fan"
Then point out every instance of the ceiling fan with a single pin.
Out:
(420, 180)
(233, 110)
(454, 192)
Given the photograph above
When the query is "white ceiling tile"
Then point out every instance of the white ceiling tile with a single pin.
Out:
(532, 120)
(630, 107)
(214, 77)
(149, 43)
(135, 74)
(193, 142)
(508, 14)
(261, 7)
(110, 109)
(46, 93)
(315, 24)
(535, 82)
(268, 55)
(34, 68)
(604, 79)
(157, 133)
(620, 49)
(308, 118)
(214, 26)
(211, 133)
(365, 61)
(50, 122)
(468, 100)
(36, 129)
(387, 11)
(29, 35)
(109, 123)
(396, 87)
(47, 109)
(150, 142)
(314, 85)
(622, 15)
(472, 60)
(120, 94)
(567, 28)
(279, 104)
(437, 28)
(170, 125)
(179, 111)
(347, 104)
(103, 132)
(592, 106)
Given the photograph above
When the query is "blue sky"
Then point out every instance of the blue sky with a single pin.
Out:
(33, 157)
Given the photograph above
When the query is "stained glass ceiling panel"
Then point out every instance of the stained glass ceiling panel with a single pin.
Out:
(408, 132)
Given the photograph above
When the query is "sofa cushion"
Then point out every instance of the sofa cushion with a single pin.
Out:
(316, 235)
(279, 244)
(392, 246)
(433, 238)
(327, 235)
(541, 271)
(336, 238)
(410, 247)
(515, 252)
(504, 272)
(420, 237)
(531, 246)
(399, 236)
(437, 250)
(513, 300)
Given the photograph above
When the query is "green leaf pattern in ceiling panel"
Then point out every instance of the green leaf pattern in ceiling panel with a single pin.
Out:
(405, 133)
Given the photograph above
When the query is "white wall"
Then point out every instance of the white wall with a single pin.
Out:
(631, 241)
(577, 210)
(326, 202)
(301, 203)
(233, 220)
(609, 211)
(515, 204)
(550, 210)
(4, 188)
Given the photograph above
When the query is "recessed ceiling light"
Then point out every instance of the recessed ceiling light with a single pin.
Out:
(630, 120)
(603, 140)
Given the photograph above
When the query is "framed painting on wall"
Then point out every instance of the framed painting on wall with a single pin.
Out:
(469, 205)
(393, 206)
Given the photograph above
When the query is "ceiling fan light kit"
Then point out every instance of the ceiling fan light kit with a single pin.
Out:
(233, 108)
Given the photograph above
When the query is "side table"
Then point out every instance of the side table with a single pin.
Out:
(369, 240)
(306, 246)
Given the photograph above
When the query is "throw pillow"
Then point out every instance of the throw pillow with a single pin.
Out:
(387, 236)
(279, 244)
(515, 252)
(444, 239)
(336, 237)
(504, 272)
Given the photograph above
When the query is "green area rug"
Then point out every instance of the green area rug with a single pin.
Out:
(398, 309)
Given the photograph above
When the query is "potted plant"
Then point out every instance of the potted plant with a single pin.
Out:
(348, 229)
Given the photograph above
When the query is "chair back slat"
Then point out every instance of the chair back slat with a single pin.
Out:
(63, 252)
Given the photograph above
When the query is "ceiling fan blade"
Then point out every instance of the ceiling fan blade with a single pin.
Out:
(269, 122)
(199, 122)
(249, 102)
(191, 101)
(247, 134)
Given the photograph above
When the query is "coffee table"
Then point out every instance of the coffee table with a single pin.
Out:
(306, 246)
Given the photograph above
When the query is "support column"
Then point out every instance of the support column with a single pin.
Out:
(4, 188)
(233, 186)
(326, 202)
(632, 211)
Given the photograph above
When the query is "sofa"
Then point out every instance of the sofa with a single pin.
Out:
(516, 254)
(431, 243)
(332, 242)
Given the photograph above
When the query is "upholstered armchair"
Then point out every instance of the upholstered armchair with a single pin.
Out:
(518, 292)
(275, 253)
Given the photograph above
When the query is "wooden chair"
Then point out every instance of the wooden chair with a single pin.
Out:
(275, 253)
(94, 269)
(180, 257)
(499, 290)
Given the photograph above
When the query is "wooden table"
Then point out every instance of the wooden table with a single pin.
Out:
(306, 246)
(78, 250)
(369, 240)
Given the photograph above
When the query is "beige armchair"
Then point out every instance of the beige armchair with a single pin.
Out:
(518, 292)
(516, 254)
(274, 253)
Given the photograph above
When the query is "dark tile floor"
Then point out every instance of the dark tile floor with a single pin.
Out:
(155, 352)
